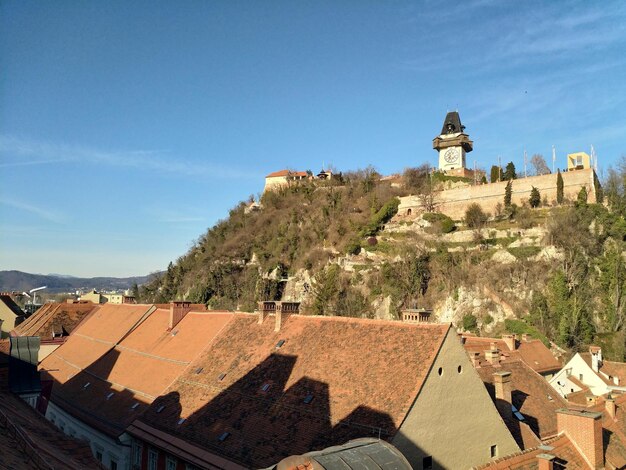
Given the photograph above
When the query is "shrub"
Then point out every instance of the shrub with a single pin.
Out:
(475, 217)
(441, 222)
(469, 322)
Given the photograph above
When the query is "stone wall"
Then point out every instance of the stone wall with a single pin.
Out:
(454, 202)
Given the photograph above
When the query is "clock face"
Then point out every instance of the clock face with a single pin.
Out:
(451, 155)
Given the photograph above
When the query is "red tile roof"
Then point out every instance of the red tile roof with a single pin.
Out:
(126, 350)
(531, 394)
(333, 379)
(54, 318)
(533, 352)
(28, 441)
(610, 368)
(567, 456)
(286, 173)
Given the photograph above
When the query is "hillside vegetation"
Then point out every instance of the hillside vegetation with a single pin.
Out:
(557, 272)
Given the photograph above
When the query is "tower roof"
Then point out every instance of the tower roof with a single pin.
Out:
(452, 124)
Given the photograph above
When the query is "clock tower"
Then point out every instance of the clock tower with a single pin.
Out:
(452, 144)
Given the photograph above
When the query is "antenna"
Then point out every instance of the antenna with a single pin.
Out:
(594, 159)
(553, 157)
(499, 169)
(525, 175)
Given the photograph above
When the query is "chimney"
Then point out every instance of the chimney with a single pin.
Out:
(584, 428)
(545, 462)
(493, 355)
(178, 310)
(609, 405)
(510, 341)
(596, 357)
(261, 312)
(279, 316)
(502, 385)
(475, 358)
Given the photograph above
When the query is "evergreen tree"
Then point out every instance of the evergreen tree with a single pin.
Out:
(535, 198)
(559, 187)
(581, 200)
(598, 188)
(483, 180)
(509, 172)
(134, 291)
(508, 193)
(495, 173)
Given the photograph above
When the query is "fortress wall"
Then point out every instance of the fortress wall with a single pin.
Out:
(454, 202)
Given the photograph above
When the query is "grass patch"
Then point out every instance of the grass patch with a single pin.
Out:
(520, 327)
(524, 252)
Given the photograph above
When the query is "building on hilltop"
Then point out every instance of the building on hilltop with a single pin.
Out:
(578, 161)
(282, 178)
(453, 144)
(273, 385)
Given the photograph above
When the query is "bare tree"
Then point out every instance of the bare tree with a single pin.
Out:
(539, 164)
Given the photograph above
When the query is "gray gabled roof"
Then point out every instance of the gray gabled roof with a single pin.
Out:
(452, 123)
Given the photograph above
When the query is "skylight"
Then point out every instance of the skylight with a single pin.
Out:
(221, 377)
(110, 395)
(308, 399)
(161, 408)
(135, 405)
(181, 421)
(280, 344)
(265, 387)
(223, 436)
(87, 385)
(199, 369)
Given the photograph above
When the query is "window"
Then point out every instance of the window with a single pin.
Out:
(427, 463)
(170, 463)
(99, 455)
(459, 369)
(493, 450)
(113, 465)
(440, 371)
(580, 377)
(137, 453)
(153, 456)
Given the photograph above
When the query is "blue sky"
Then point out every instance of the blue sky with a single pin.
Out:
(128, 128)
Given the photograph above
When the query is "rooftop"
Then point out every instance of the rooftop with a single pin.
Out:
(256, 396)
(54, 318)
(123, 355)
(532, 351)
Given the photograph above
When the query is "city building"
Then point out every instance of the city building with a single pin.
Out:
(53, 323)
(114, 364)
(273, 385)
(589, 372)
(531, 351)
(10, 315)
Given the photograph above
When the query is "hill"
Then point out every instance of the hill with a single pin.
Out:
(555, 271)
(23, 282)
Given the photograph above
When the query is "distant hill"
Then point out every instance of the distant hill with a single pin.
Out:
(21, 281)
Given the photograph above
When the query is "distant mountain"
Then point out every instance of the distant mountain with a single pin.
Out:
(21, 281)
